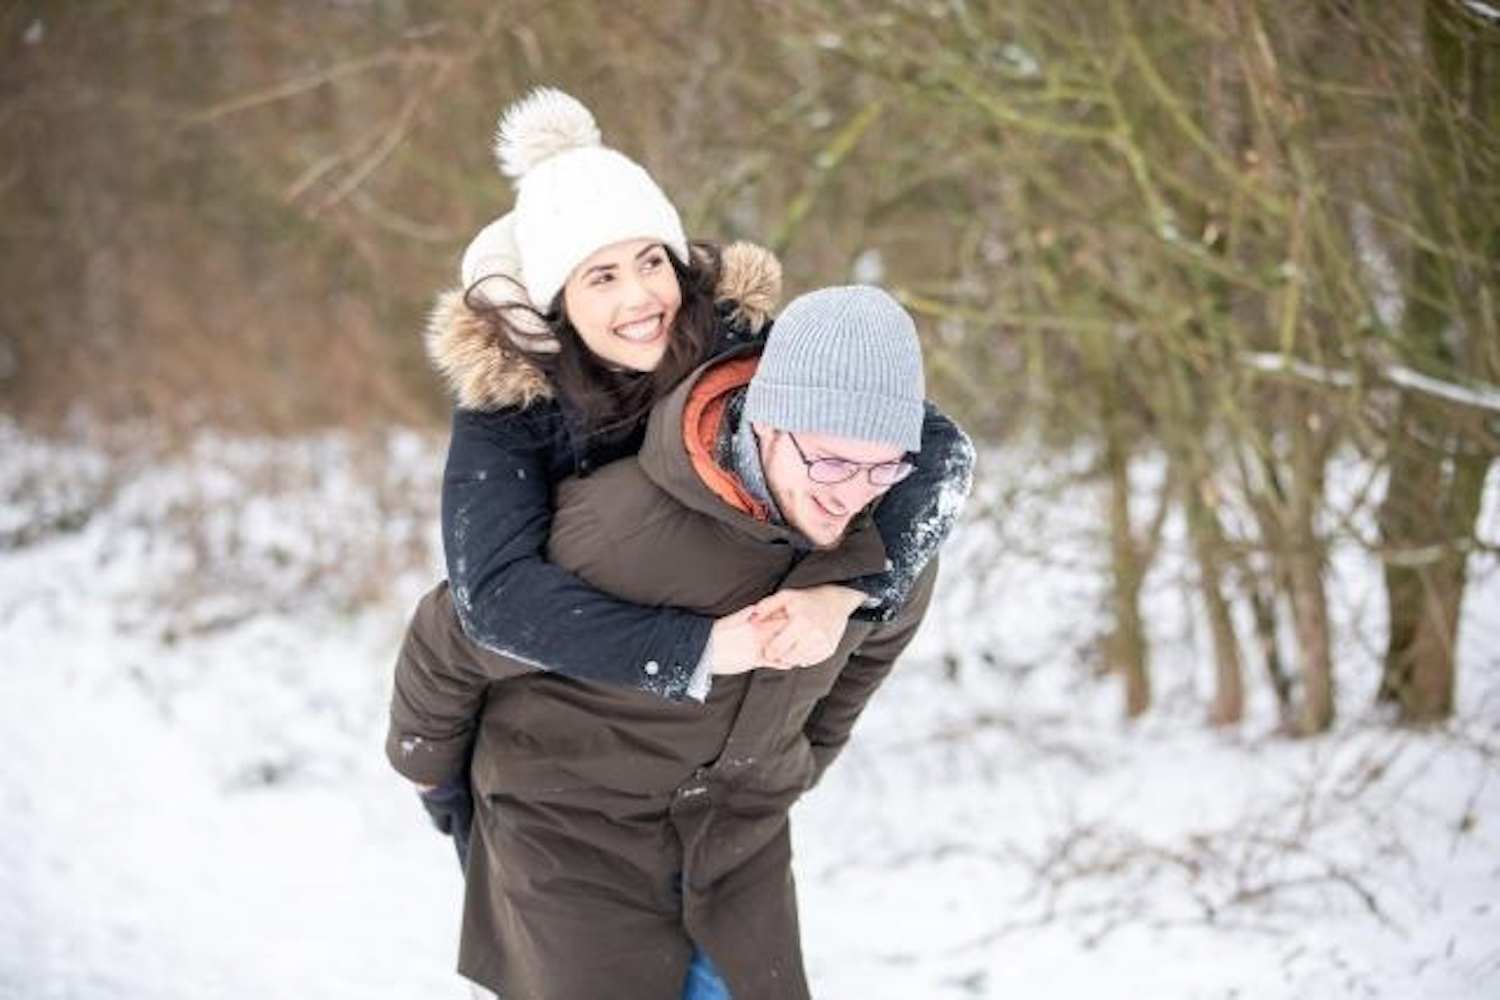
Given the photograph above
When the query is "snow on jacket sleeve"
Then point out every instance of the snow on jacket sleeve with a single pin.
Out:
(438, 693)
(916, 516)
(833, 717)
(497, 512)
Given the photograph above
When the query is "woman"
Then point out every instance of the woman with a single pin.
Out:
(580, 309)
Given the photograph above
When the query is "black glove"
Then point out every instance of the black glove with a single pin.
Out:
(451, 808)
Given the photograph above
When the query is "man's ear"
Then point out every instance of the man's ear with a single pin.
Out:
(762, 434)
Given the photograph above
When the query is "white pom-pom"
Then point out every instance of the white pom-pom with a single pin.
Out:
(540, 125)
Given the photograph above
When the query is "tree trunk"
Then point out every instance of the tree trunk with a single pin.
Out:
(1263, 607)
(1127, 643)
(1310, 609)
(1434, 674)
(1305, 572)
(1266, 584)
(1429, 513)
(1228, 705)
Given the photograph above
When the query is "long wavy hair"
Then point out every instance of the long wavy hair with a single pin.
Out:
(610, 403)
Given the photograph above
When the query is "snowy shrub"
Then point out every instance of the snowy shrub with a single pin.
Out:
(228, 528)
(48, 487)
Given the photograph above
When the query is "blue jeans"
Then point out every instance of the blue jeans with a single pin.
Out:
(703, 981)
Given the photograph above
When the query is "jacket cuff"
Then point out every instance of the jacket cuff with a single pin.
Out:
(882, 597)
(702, 679)
(674, 677)
(427, 761)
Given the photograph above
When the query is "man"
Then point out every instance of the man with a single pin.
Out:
(617, 835)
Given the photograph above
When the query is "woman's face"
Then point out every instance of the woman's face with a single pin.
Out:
(622, 301)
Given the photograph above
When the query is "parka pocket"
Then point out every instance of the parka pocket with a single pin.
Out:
(777, 782)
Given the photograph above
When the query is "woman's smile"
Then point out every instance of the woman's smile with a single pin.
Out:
(642, 331)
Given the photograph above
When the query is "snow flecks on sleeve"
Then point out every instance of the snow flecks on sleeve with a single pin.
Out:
(458, 567)
(921, 543)
(916, 527)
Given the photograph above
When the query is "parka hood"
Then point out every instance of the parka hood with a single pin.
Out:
(673, 455)
(484, 370)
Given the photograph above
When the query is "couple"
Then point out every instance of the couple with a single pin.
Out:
(671, 587)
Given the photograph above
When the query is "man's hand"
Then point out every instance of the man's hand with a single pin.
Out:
(737, 642)
(812, 623)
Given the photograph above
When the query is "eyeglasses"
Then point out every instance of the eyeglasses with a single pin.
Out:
(831, 471)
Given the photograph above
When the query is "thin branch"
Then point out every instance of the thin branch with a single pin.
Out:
(392, 136)
(399, 224)
(302, 84)
(384, 147)
(1484, 398)
(1179, 116)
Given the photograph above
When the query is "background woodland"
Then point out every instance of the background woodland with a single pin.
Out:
(1236, 257)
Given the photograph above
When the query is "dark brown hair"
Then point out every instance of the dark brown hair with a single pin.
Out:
(610, 403)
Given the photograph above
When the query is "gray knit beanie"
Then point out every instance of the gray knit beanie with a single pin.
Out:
(842, 361)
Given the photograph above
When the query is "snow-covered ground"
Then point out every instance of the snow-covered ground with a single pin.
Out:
(194, 668)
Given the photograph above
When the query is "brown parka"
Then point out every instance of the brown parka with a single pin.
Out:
(615, 830)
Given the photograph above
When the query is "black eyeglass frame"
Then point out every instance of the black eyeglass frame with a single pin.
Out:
(900, 468)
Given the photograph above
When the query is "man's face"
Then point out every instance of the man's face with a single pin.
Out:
(820, 511)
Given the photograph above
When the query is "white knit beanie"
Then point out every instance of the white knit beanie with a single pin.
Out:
(573, 196)
(842, 361)
(491, 269)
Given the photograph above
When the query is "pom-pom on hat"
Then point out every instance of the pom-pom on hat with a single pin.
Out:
(573, 195)
(842, 361)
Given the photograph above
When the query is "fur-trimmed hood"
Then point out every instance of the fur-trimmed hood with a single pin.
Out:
(485, 371)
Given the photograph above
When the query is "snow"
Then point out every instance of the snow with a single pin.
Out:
(195, 803)
(1487, 11)
(1481, 397)
(1381, 274)
(1267, 362)
(1477, 396)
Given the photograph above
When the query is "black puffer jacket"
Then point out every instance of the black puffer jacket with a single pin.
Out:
(513, 441)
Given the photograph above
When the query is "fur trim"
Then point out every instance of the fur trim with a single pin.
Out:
(484, 371)
(541, 125)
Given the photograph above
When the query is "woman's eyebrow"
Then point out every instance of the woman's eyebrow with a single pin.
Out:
(598, 267)
(650, 249)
